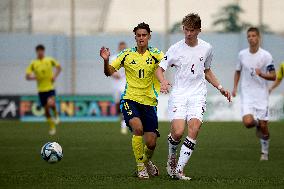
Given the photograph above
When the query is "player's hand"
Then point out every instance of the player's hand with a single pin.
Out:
(234, 92)
(270, 90)
(105, 53)
(257, 71)
(165, 86)
(30, 77)
(53, 79)
(116, 75)
(226, 93)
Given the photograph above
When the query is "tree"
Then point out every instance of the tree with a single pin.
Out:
(229, 19)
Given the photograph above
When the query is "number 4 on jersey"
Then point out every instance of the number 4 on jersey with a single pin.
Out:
(192, 69)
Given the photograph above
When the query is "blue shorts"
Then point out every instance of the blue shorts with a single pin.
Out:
(43, 96)
(146, 113)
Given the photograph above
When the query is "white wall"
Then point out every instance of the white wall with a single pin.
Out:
(53, 16)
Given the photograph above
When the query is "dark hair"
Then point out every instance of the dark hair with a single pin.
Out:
(254, 29)
(40, 47)
(192, 20)
(122, 43)
(142, 26)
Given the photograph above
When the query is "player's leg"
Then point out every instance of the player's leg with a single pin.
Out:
(151, 133)
(264, 140)
(249, 121)
(264, 137)
(187, 147)
(116, 96)
(195, 110)
(123, 127)
(149, 148)
(52, 105)
(43, 96)
(174, 139)
(177, 115)
(132, 116)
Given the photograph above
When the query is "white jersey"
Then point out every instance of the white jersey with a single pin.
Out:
(190, 63)
(118, 84)
(254, 89)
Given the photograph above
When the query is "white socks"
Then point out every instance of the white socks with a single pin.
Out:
(264, 146)
(123, 124)
(185, 152)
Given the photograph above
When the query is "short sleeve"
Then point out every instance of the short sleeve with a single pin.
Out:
(157, 55)
(269, 63)
(167, 60)
(54, 62)
(208, 61)
(238, 64)
(29, 69)
(118, 62)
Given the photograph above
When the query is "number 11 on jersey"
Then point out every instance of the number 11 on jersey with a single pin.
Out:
(141, 73)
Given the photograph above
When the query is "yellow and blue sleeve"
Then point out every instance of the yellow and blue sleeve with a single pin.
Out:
(120, 59)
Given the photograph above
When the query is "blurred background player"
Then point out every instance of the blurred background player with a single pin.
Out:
(139, 100)
(187, 103)
(41, 70)
(279, 77)
(118, 85)
(255, 67)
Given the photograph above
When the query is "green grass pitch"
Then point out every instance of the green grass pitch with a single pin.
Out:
(96, 155)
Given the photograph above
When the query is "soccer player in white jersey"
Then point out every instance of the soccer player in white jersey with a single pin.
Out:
(255, 68)
(191, 58)
(118, 86)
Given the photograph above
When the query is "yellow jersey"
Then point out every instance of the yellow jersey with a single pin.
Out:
(280, 72)
(142, 85)
(43, 70)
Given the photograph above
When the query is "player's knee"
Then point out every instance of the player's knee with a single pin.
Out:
(249, 123)
(194, 130)
(46, 112)
(51, 102)
(136, 126)
(177, 134)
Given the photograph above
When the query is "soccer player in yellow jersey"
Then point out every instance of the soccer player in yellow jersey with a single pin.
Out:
(139, 100)
(41, 70)
(279, 77)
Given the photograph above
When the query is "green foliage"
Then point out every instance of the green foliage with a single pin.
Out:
(229, 19)
(176, 28)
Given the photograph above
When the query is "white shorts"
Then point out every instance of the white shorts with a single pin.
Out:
(187, 107)
(261, 114)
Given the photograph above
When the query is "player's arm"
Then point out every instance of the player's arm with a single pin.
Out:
(279, 77)
(108, 69)
(237, 75)
(270, 75)
(165, 84)
(30, 77)
(163, 65)
(211, 78)
(57, 67)
(29, 73)
(236, 82)
(275, 84)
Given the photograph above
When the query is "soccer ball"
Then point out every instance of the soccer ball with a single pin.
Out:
(51, 152)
